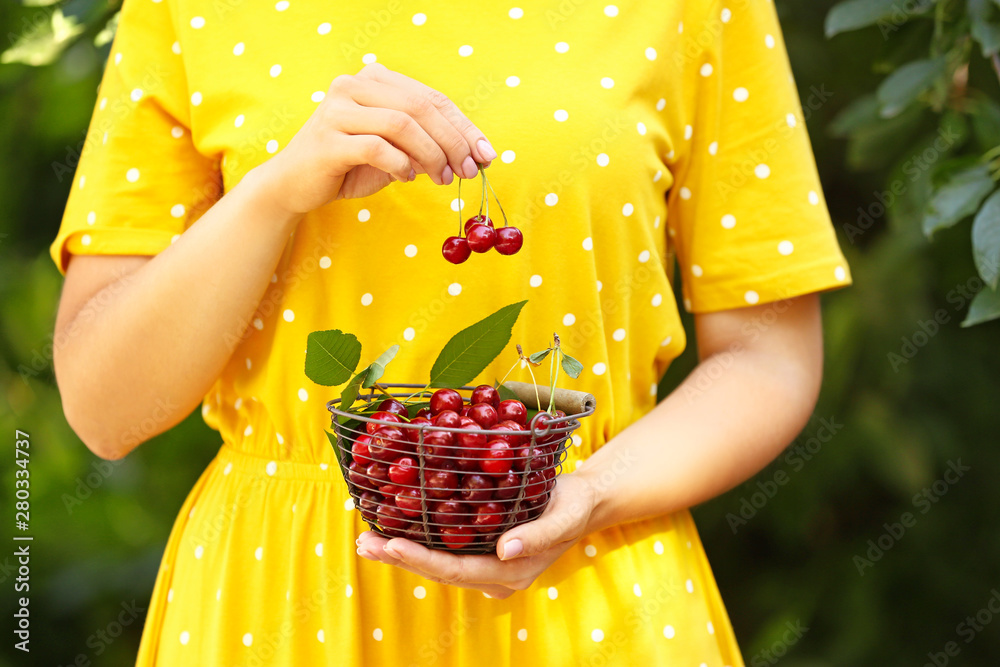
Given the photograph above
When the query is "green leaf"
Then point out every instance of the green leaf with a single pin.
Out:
(957, 198)
(903, 86)
(350, 392)
(537, 357)
(986, 240)
(505, 392)
(985, 307)
(471, 350)
(854, 14)
(341, 455)
(331, 357)
(377, 368)
(875, 145)
(862, 111)
(107, 33)
(985, 115)
(572, 367)
(44, 41)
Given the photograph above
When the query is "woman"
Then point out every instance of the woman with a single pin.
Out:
(231, 199)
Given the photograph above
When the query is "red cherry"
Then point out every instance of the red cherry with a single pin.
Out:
(513, 410)
(456, 537)
(485, 393)
(393, 406)
(404, 471)
(408, 502)
(481, 238)
(508, 487)
(467, 422)
(369, 500)
(437, 447)
(445, 399)
(371, 427)
(477, 220)
(359, 450)
(388, 443)
(518, 436)
(539, 459)
(476, 488)
(465, 410)
(389, 491)
(534, 485)
(484, 415)
(472, 438)
(377, 473)
(489, 515)
(451, 513)
(390, 517)
(358, 476)
(456, 249)
(447, 419)
(441, 484)
(424, 412)
(498, 458)
(509, 240)
(414, 433)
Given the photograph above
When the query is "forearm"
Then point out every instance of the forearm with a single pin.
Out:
(730, 418)
(153, 342)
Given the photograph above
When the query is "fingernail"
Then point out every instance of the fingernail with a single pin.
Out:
(486, 150)
(469, 169)
(413, 175)
(392, 552)
(358, 541)
(447, 176)
(512, 549)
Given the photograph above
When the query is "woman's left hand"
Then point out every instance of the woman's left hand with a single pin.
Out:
(527, 550)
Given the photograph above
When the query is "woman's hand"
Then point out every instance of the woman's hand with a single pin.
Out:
(525, 551)
(372, 128)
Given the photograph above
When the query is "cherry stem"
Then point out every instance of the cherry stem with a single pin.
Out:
(553, 376)
(527, 361)
(483, 198)
(459, 207)
(490, 186)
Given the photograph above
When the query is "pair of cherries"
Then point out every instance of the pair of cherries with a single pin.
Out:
(481, 236)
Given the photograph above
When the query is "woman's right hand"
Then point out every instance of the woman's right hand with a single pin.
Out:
(373, 128)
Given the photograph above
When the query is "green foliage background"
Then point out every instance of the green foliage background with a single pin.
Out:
(898, 420)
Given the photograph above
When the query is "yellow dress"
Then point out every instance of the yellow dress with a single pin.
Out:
(629, 135)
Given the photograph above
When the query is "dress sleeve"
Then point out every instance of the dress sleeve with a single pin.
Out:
(139, 181)
(746, 213)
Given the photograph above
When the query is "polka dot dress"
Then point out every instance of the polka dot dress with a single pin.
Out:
(631, 138)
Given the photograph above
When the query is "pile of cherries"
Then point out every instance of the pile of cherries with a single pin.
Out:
(480, 236)
(480, 474)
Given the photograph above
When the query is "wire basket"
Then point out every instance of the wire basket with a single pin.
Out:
(450, 501)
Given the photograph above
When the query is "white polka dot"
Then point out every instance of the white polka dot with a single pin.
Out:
(465, 50)
(689, 585)
(507, 157)
(611, 10)
(173, 239)
(535, 280)
(136, 94)
(513, 81)
(377, 634)
(419, 19)
(515, 12)
(553, 593)
(790, 119)
(661, 104)
(196, 98)
(239, 48)
(741, 94)
(228, 469)
(658, 175)
(607, 82)
(840, 274)
(177, 210)
(522, 634)
(272, 146)
(323, 28)
(170, 595)
(325, 262)
(561, 115)
(457, 204)
(303, 394)
(551, 199)
(628, 209)
(91, 218)
(176, 48)
(656, 222)
(289, 315)
(599, 368)
(176, 132)
(275, 70)
(652, 389)
(728, 221)
(198, 22)
(568, 319)
(410, 250)
(696, 270)
(688, 133)
(590, 550)
(247, 639)
(666, 341)
(668, 631)
(271, 468)
(656, 300)
(282, 6)
(317, 96)
(85, 239)
(349, 504)
(687, 304)
(319, 549)
(199, 551)
(685, 193)
(562, 47)
(813, 198)
(454, 289)
(258, 323)
(600, 285)
(711, 628)
(278, 436)
(238, 121)
(320, 636)
(707, 69)
(104, 138)
(786, 248)
(420, 592)
(597, 635)
(751, 297)
(132, 175)
(637, 590)
(644, 256)
(364, 215)
(348, 591)
(769, 41)
(762, 171)
(619, 335)
(680, 27)
(248, 431)
(658, 548)
(603, 160)
(588, 243)
(713, 148)
(650, 53)
(185, 637)
(366, 299)
(369, 58)
(409, 333)
(104, 103)
(641, 128)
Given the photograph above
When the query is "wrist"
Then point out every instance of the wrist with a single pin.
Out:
(262, 190)
(602, 498)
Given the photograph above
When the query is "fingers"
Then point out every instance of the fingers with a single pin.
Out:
(474, 138)
(362, 149)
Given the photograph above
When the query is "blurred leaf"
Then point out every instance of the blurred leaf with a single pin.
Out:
(985, 115)
(377, 368)
(877, 145)
(44, 42)
(903, 86)
(984, 31)
(331, 357)
(471, 350)
(854, 14)
(107, 33)
(985, 307)
(862, 111)
(986, 240)
(958, 197)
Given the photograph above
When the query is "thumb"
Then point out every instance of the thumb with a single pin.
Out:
(536, 536)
